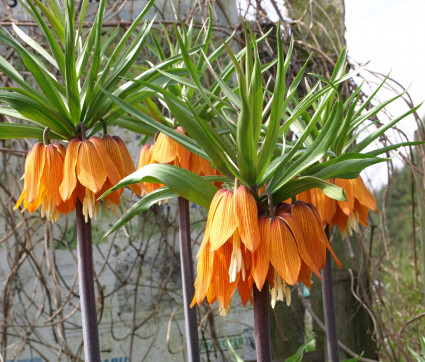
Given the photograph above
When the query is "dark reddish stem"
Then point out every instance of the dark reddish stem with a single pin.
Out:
(262, 324)
(86, 284)
(186, 261)
(329, 308)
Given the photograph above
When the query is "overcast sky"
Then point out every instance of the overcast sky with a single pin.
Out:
(391, 35)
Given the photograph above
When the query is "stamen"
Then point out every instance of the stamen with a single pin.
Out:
(226, 310)
(236, 260)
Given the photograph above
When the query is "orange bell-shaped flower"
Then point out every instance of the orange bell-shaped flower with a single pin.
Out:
(43, 175)
(225, 255)
(167, 151)
(345, 214)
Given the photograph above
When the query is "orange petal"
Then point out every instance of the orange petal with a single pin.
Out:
(362, 211)
(306, 221)
(224, 221)
(129, 167)
(214, 202)
(19, 202)
(183, 154)
(303, 250)
(260, 257)
(114, 153)
(144, 156)
(347, 185)
(340, 219)
(220, 279)
(34, 166)
(283, 251)
(90, 170)
(204, 274)
(305, 275)
(245, 209)
(53, 173)
(322, 235)
(305, 196)
(211, 297)
(245, 289)
(108, 165)
(363, 195)
(165, 149)
(69, 181)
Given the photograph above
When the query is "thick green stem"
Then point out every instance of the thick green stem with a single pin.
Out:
(262, 323)
(329, 308)
(186, 260)
(86, 284)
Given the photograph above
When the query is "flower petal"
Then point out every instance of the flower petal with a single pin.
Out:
(306, 221)
(224, 221)
(129, 167)
(53, 173)
(321, 233)
(260, 257)
(363, 195)
(165, 149)
(347, 185)
(213, 206)
(108, 165)
(300, 238)
(305, 275)
(34, 167)
(283, 251)
(220, 279)
(204, 274)
(246, 212)
(69, 181)
(90, 170)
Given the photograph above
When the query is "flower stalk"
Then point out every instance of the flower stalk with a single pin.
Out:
(186, 261)
(262, 324)
(329, 308)
(86, 285)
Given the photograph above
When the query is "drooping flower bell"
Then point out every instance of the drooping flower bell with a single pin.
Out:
(225, 255)
(240, 249)
(165, 150)
(43, 175)
(91, 167)
(345, 214)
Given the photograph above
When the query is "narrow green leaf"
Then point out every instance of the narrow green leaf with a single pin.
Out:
(33, 44)
(35, 112)
(276, 109)
(140, 206)
(303, 183)
(55, 21)
(71, 80)
(150, 122)
(18, 130)
(47, 83)
(182, 182)
(348, 165)
(314, 152)
(374, 135)
(386, 149)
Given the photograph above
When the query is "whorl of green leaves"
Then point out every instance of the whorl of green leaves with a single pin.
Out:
(242, 126)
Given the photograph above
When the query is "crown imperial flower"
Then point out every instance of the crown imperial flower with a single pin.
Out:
(43, 175)
(345, 214)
